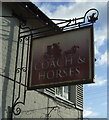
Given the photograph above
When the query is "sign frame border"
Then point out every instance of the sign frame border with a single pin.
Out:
(71, 82)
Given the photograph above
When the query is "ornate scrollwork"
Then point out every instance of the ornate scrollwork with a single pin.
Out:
(24, 35)
(93, 17)
(26, 38)
(18, 70)
(21, 39)
(23, 23)
(24, 69)
(16, 109)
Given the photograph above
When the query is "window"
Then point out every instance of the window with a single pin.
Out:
(72, 94)
(63, 92)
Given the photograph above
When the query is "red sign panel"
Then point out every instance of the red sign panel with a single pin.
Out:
(62, 59)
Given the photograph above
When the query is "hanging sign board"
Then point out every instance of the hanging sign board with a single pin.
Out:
(62, 59)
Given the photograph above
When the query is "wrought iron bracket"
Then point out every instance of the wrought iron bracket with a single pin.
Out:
(21, 69)
(90, 17)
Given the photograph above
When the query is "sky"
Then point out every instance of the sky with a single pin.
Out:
(95, 95)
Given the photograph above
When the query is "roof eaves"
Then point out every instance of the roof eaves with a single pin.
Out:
(37, 12)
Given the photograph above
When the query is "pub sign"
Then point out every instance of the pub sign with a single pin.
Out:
(62, 59)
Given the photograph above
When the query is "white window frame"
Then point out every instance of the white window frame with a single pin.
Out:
(63, 93)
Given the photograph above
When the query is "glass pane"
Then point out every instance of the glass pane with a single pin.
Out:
(66, 89)
(59, 91)
(66, 92)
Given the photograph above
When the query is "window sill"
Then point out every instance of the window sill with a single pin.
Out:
(64, 101)
(67, 103)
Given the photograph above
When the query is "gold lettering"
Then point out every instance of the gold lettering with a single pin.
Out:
(41, 76)
(65, 73)
(52, 64)
(81, 60)
(71, 72)
(68, 60)
(77, 70)
(50, 75)
(58, 74)
(58, 63)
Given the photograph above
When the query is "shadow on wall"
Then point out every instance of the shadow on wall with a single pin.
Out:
(7, 41)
